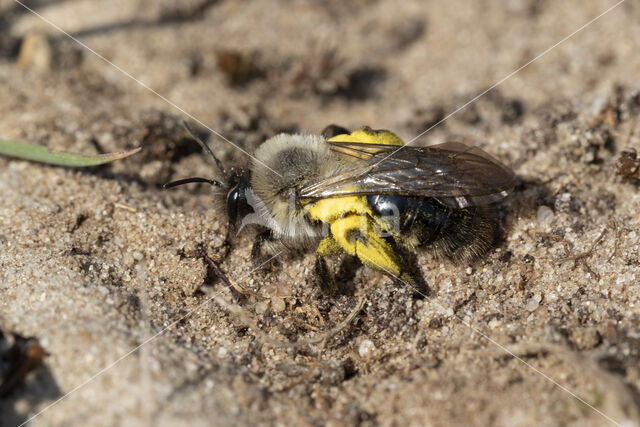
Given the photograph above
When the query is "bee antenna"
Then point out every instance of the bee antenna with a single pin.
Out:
(205, 147)
(190, 180)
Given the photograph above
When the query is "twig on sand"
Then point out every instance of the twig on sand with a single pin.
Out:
(246, 318)
(238, 291)
(582, 256)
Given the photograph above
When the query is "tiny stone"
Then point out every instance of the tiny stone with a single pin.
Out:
(261, 307)
(277, 304)
(494, 323)
(35, 52)
(544, 215)
(533, 303)
(127, 259)
(366, 348)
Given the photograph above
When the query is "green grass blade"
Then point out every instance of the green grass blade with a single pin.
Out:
(38, 153)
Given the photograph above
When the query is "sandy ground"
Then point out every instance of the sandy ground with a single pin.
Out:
(95, 263)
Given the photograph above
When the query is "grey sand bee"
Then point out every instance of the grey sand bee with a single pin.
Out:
(365, 194)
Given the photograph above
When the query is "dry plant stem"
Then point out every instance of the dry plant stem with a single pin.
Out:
(581, 257)
(614, 225)
(125, 207)
(245, 317)
(238, 291)
(237, 295)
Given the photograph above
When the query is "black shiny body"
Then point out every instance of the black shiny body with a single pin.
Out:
(422, 215)
(420, 221)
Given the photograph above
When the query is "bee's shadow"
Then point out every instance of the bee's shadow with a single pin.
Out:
(528, 195)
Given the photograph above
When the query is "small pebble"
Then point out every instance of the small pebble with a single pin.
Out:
(494, 323)
(533, 303)
(35, 52)
(277, 304)
(545, 215)
(366, 348)
(261, 307)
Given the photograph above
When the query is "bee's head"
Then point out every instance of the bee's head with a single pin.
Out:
(236, 184)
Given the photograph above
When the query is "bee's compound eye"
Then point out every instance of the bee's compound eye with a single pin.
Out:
(235, 197)
(237, 205)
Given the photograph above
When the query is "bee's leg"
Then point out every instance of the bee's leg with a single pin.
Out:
(324, 278)
(327, 247)
(357, 236)
(349, 265)
(412, 275)
(256, 249)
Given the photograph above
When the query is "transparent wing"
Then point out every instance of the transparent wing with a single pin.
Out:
(455, 173)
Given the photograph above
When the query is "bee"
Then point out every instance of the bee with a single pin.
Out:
(366, 194)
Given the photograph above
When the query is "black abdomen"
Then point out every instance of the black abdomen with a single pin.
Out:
(456, 233)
